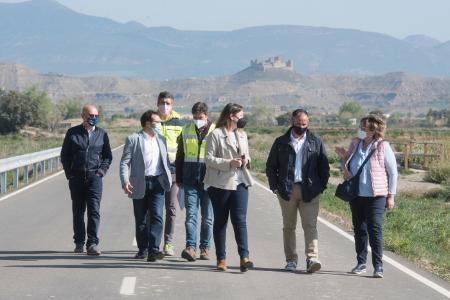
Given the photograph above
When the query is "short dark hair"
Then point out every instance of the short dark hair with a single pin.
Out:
(164, 95)
(199, 107)
(147, 117)
(299, 111)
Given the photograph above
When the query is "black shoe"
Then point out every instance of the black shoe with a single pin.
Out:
(141, 254)
(359, 269)
(154, 256)
(378, 272)
(79, 248)
(93, 250)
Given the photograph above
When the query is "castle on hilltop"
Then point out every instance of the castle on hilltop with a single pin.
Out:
(272, 63)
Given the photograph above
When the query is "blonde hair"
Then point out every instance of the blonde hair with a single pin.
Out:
(376, 124)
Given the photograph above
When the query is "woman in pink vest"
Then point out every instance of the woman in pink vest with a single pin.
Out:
(377, 187)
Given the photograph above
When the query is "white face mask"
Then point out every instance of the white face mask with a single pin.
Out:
(361, 134)
(200, 123)
(165, 109)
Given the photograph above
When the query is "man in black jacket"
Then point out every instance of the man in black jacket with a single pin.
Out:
(86, 156)
(298, 172)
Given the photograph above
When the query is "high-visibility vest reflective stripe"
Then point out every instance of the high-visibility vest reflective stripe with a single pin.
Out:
(192, 151)
(171, 133)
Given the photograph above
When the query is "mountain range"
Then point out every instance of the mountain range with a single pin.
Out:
(276, 88)
(50, 37)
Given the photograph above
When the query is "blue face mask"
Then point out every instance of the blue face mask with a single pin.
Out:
(93, 121)
(157, 128)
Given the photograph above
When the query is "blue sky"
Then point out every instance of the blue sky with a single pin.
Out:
(398, 18)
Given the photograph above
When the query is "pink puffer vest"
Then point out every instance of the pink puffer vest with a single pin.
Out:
(377, 168)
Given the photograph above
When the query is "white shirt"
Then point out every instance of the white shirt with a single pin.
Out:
(297, 144)
(152, 160)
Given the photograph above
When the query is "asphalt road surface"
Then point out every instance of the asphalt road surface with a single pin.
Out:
(37, 259)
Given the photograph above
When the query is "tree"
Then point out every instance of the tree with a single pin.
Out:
(350, 110)
(41, 106)
(261, 115)
(70, 108)
(15, 111)
(284, 119)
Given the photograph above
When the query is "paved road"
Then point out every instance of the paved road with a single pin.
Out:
(36, 259)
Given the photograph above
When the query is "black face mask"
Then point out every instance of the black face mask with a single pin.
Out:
(241, 123)
(299, 130)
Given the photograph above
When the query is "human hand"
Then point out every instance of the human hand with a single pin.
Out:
(390, 203)
(340, 151)
(127, 188)
(236, 163)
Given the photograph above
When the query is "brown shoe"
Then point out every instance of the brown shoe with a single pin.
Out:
(204, 253)
(246, 264)
(189, 254)
(221, 265)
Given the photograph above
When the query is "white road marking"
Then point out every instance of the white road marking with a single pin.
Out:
(387, 259)
(39, 182)
(134, 242)
(128, 285)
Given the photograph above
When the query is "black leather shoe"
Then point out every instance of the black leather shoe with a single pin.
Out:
(154, 256)
(79, 248)
(141, 254)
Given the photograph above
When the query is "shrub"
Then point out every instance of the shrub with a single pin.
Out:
(438, 173)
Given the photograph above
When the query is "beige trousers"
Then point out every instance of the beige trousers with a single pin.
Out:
(308, 214)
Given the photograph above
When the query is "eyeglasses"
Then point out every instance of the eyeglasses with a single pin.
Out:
(93, 116)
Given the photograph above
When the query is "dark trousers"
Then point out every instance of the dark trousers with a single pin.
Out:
(367, 218)
(86, 192)
(234, 204)
(148, 216)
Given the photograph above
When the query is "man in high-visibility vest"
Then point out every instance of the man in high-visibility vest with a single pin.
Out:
(190, 172)
(171, 127)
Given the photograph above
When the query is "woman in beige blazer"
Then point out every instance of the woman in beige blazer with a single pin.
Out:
(228, 178)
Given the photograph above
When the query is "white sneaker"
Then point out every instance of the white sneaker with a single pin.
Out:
(169, 250)
(290, 266)
(313, 265)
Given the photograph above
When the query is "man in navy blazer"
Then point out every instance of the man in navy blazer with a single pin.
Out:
(145, 176)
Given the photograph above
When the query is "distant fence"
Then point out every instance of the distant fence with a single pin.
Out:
(18, 170)
(422, 152)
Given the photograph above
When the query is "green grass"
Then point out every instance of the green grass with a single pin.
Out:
(12, 145)
(417, 228)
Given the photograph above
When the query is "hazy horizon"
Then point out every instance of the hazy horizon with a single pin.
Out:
(398, 19)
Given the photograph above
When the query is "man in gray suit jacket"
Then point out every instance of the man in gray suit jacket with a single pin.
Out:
(145, 176)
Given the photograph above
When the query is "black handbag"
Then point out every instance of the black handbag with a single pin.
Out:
(349, 189)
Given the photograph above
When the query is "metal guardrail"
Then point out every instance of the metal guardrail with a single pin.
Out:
(38, 164)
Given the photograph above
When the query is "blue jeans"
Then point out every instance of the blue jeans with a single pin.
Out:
(86, 192)
(195, 196)
(234, 204)
(367, 218)
(148, 216)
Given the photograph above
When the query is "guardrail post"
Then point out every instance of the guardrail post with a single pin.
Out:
(25, 174)
(35, 172)
(51, 165)
(43, 163)
(3, 182)
(15, 173)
